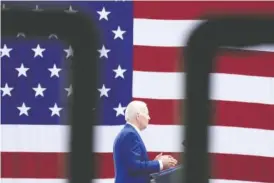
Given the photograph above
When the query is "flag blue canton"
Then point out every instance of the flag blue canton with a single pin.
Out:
(27, 104)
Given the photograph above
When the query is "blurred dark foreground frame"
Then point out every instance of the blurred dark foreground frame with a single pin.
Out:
(203, 44)
(79, 31)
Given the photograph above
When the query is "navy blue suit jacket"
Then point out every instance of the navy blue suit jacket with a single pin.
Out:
(131, 161)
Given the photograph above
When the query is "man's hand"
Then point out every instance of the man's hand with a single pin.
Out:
(168, 161)
(158, 156)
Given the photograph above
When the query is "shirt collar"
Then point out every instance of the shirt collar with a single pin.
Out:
(135, 127)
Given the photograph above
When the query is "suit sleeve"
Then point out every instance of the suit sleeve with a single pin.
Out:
(132, 154)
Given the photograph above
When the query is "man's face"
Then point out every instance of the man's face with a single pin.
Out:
(143, 118)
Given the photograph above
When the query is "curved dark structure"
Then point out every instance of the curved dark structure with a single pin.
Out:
(84, 41)
(203, 44)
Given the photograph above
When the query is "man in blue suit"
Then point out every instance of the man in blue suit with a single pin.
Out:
(131, 161)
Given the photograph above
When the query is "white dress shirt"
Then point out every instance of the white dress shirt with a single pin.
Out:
(139, 132)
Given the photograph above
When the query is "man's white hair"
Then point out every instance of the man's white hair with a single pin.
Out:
(133, 108)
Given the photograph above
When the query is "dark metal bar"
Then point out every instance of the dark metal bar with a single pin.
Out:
(203, 44)
(84, 40)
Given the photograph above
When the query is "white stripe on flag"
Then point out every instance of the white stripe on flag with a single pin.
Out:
(225, 87)
(171, 33)
(54, 138)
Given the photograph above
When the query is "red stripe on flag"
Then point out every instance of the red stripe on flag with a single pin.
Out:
(248, 115)
(161, 59)
(236, 114)
(246, 168)
(167, 59)
(194, 10)
(51, 165)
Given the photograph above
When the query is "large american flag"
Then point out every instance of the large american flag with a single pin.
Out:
(140, 51)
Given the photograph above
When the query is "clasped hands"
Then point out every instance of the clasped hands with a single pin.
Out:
(167, 160)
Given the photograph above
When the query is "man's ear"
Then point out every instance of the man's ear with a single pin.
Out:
(137, 115)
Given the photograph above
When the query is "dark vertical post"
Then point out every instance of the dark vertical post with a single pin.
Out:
(198, 65)
(84, 40)
(226, 31)
(84, 101)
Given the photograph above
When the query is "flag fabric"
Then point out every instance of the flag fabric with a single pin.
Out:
(140, 53)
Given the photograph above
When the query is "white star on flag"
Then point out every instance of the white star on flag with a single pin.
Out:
(104, 91)
(22, 70)
(71, 10)
(118, 33)
(54, 71)
(120, 110)
(69, 90)
(55, 110)
(6, 90)
(4, 7)
(21, 34)
(103, 52)
(37, 8)
(38, 51)
(23, 109)
(119, 72)
(39, 90)
(51, 36)
(103, 14)
(69, 52)
(5, 51)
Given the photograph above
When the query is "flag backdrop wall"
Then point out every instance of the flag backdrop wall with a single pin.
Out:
(141, 45)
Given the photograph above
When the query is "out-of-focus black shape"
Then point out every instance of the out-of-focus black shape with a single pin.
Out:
(202, 46)
(79, 31)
